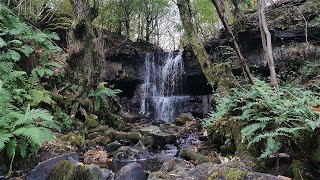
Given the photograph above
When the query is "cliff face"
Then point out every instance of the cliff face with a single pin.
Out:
(295, 30)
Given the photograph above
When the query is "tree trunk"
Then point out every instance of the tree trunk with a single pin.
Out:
(190, 31)
(266, 41)
(233, 40)
(148, 23)
(127, 23)
(83, 63)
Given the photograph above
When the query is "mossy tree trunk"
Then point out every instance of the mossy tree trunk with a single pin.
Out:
(84, 66)
(266, 41)
(190, 32)
(235, 46)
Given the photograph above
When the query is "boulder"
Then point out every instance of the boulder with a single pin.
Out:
(68, 170)
(198, 158)
(42, 170)
(183, 118)
(178, 169)
(113, 146)
(129, 154)
(132, 171)
(162, 138)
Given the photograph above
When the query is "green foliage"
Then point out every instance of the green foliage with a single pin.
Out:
(24, 127)
(101, 96)
(20, 129)
(310, 68)
(63, 118)
(269, 118)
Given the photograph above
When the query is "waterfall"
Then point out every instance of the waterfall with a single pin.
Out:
(161, 91)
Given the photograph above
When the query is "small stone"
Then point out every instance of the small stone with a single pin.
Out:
(106, 173)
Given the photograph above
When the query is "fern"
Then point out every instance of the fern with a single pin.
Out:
(31, 115)
(4, 139)
(266, 116)
(101, 94)
(36, 135)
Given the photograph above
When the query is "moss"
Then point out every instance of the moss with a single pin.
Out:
(316, 155)
(75, 140)
(190, 154)
(223, 78)
(235, 174)
(228, 174)
(296, 169)
(182, 120)
(91, 123)
(65, 170)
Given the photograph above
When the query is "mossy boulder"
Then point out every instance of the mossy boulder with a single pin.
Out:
(65, 170)
(190, 154)
(74, 139)
(182, 119)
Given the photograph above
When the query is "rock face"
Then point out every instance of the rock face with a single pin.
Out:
(287, 27)
(132, 171)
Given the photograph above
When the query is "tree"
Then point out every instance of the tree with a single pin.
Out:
(190, 31)
(266, 41)
(84, 66)
(219, 7)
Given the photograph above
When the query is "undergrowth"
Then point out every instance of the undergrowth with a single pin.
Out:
(271, 118)
(24, 125)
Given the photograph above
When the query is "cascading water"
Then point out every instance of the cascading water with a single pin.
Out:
(161, 91)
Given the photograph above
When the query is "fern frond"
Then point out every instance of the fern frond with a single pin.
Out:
(31, 115)
(4, 138)
(11, 148)
(272, 147)
(36, 135)
(249, 130)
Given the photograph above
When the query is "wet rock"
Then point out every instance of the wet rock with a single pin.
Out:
(124, 137)
(198, 158)
(42, 170)
(130, 118)
(175, 164)
(132, 171)
(96, 157)
(95, 171)
(147, 140)
(69, 170)
(106, 173)
(183, 118)
(113, 146)
(129, 154)
(162, 138)
(177, 170)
